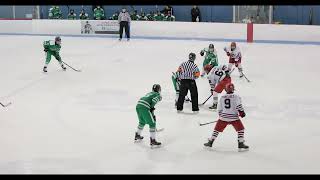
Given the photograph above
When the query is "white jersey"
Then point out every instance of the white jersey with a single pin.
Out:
(229, 106)
(235, 54)
(216, 75)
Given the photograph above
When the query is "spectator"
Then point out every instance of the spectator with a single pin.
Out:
(124, 20)
(55, 13)
(166, 10)
(114, 16)
(170, 17)
(83, 15)
(72, 15)
(195, 14)
(143, 17)
(134, 16)
(159, 16)
(98, 13)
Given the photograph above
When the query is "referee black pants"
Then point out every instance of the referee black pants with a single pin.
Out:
(124, 25)
(188, 84)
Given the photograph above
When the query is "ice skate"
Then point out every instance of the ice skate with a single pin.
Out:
(45, 69)
(242, 147)
(214, 106)
(154, 143)
(138, 137)
(209, 143)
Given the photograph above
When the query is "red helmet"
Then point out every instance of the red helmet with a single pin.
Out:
(229, 88)
(207, 68)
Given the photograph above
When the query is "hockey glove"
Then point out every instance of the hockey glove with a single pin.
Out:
(45, 50)
(211, 90)
(152, 109)
(201, 53)
(228, 54)
(242, 114)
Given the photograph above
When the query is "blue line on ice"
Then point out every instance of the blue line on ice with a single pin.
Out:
(173, 38)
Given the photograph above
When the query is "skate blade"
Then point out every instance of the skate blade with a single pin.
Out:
(138, 140)
(155, 146)
(243, 150)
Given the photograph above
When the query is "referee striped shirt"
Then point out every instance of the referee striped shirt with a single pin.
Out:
(188, 70)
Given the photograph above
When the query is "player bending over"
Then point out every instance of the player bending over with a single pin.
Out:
(145, 111)
(230, 108)
(218, 77)
(211, 57)
(52, 48)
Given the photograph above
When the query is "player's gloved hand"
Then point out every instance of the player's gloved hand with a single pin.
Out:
(154, 118)
(45, 50)
(228, 54)
(201, 53)
(242, 114)
(211, 90)
(152, 109)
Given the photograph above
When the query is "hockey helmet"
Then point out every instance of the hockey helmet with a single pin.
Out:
(211, 47)
(229, 88)
(156, 88)
(57, 40)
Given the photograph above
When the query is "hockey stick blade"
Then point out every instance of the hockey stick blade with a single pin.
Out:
(206, 123)
(246, 78)
(5, 105)
(78, 70)
(159, 130)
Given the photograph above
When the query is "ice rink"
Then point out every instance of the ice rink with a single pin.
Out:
(84, 122)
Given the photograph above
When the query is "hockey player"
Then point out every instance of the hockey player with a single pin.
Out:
(145, 111)
(176, 85)
(211, 57)
(230, 108)
(114, 16)
(72, 15)
(52, 48)
(150, 16)
(134, 16)
(143, 17)
(218, 78)
(55, 13)
(98, 13)
(234, 57)
(159, 16)
(170, 17)
(83, 15)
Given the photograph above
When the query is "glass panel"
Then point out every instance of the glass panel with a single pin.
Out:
(256, 14)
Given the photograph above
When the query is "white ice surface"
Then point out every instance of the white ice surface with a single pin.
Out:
(70, 122)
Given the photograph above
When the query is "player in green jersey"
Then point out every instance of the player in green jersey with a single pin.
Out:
(211, 57)
(52, 48)
(145, 111)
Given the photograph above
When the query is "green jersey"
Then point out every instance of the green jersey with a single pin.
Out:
(143, 18)
(98, 13)
(114, 17)
(134, 17)
(170, 18)
(210, 58)
(149, 100)
(72, 16)
(55, 13)
(51, 46)
(83, 16)
(150, 17)
(159, 17)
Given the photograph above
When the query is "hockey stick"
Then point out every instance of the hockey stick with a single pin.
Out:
(5, 105)
(71, 67)
(231, 71)
(159, 130)
(206, 123)
(205, 100)
(246, 78)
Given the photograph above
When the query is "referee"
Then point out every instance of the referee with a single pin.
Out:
(124, 21)
(188, 72)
